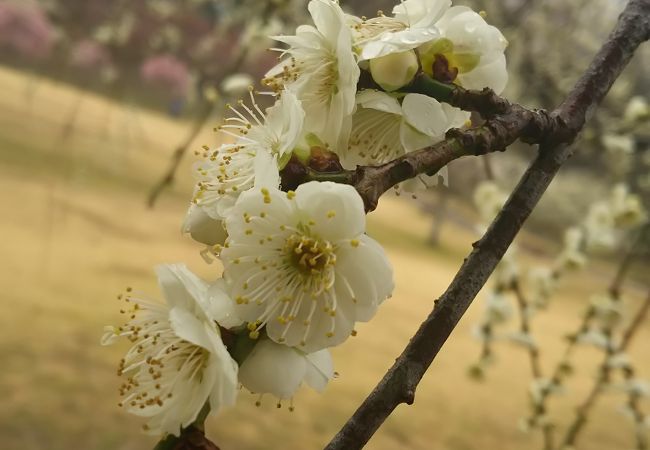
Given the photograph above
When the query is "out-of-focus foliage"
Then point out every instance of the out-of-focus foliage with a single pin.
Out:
(190, 46)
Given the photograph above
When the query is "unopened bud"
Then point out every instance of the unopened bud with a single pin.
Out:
(394, 71)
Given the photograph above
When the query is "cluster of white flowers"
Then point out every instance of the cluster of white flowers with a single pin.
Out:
(324, 63)
(609, 218)
(299, 272)
(298, 268)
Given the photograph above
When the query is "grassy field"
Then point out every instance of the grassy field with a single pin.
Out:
(75, 232)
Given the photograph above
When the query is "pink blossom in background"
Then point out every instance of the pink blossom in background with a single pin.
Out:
(89, 54)
(167, 71)
(26, 30)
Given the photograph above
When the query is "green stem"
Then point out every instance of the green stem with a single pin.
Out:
(424, 84)
(343, 177)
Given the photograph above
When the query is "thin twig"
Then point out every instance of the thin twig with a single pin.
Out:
(206, 112)
(168, 178)
(563, 368)
(533, 355)
(630, 255)
(399, 383)
(487, 168)
(524, 326)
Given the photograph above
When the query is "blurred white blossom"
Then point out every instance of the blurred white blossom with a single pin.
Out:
(637, 110)
(608, 310)
(489, 199)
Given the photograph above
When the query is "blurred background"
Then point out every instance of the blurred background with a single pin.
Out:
(104, 103)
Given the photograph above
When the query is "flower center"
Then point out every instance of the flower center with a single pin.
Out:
(443, 61)
(311, 256)
(376, 135)
(158, 361)
(320, 69)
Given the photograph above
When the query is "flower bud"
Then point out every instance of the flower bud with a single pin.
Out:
(394, 71)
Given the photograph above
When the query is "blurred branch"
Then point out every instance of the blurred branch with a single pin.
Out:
(633, 252)
(206, 112)
(487, 168)
(605, 369)
(399, 383)
(439, 211)
(523, 305)
(564, 367)
(525, 327)
(168, 178)
(604, 374)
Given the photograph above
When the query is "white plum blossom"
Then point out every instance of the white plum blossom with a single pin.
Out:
(203, 228)
(413, 23)
(522, 338)
(262, 142)
(620, 151)
(489, 198)
(594, 337)
(177, 362)
(279, 370)
(607, 218)
(600, 227)
(322, 70)
(299, 270)
(498, 308)
(572, 255)
(300, 265)
(384, 129)
(608, 311)
(618, 144)
(543, 283)
(627, 209)
(541, 387)
(637, 110)
(471, 50)
(619, 361)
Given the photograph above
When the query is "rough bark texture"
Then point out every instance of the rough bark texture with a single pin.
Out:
(400, 382)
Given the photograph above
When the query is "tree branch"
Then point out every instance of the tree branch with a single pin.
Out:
(399, 384)
(515, 122)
